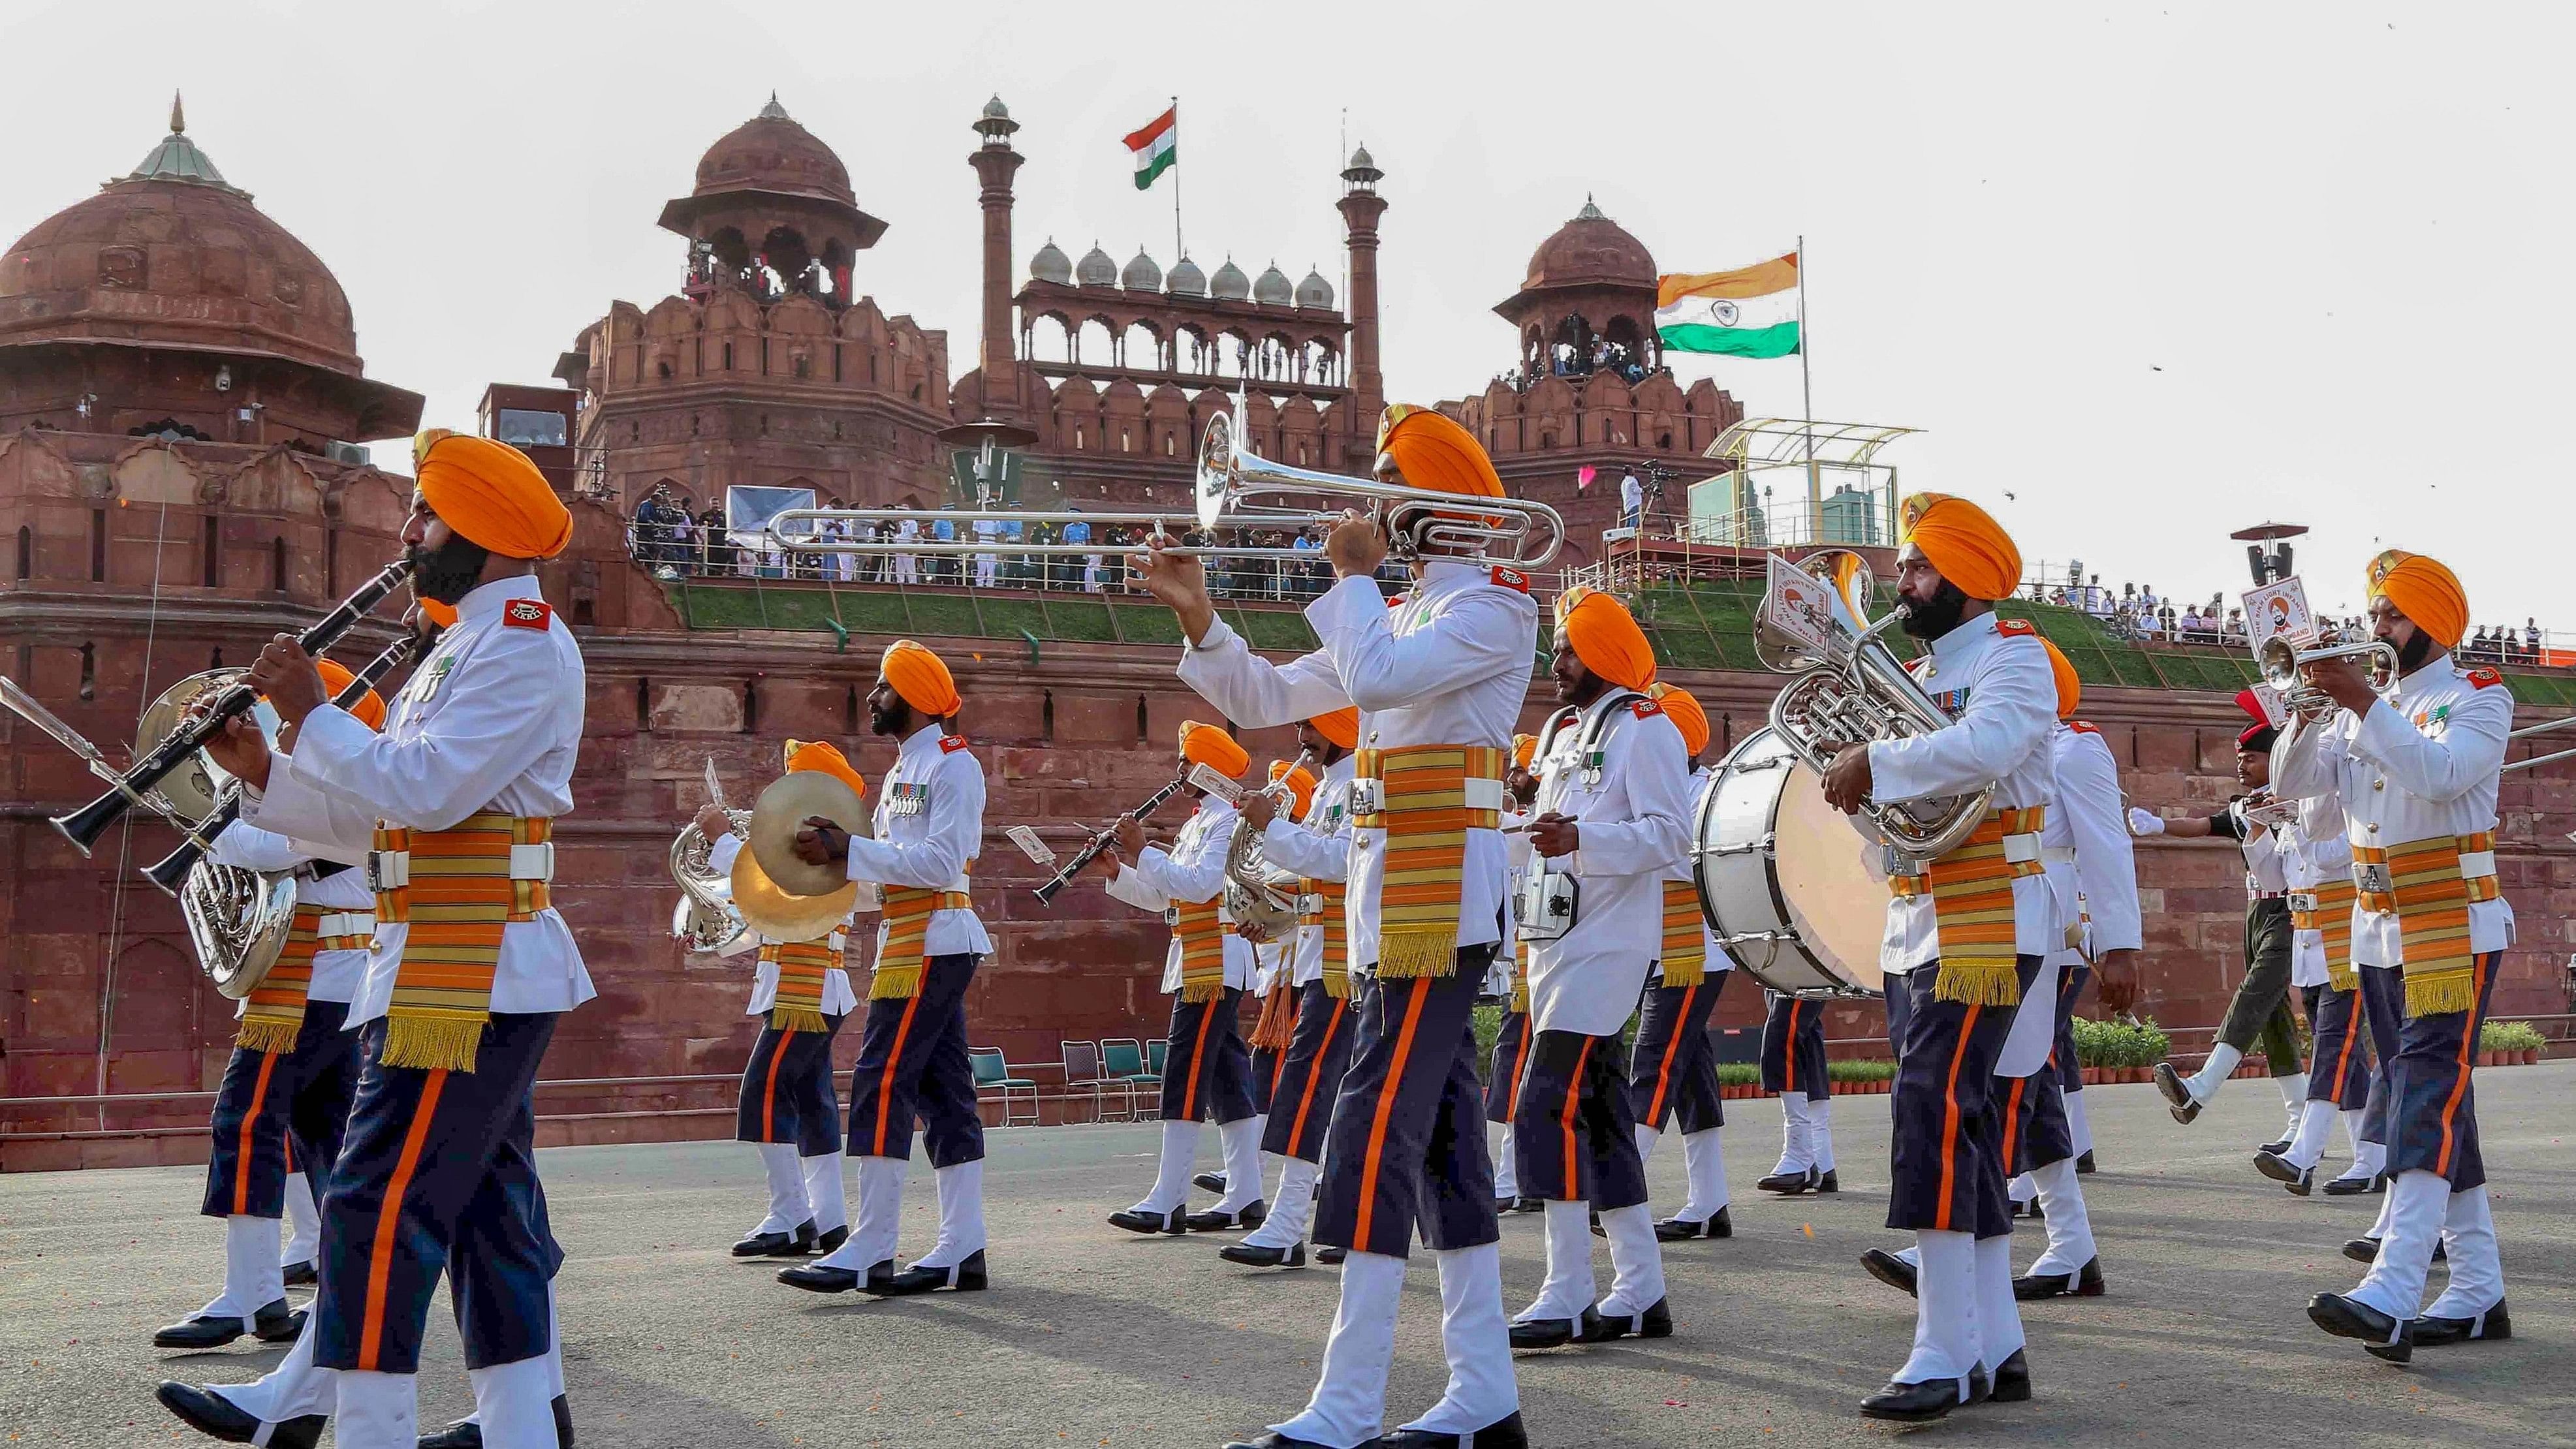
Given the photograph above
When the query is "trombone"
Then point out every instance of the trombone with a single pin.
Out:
(2544, 727)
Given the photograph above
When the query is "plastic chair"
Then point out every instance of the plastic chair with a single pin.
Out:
(991, 1071)
(1083, 1077)
(1124, 1059)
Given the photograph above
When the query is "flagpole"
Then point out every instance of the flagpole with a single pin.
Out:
(1806, 392)
(1178, 250)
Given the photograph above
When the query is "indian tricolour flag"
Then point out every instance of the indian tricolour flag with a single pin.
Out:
(1152, 144)
(1749, 312)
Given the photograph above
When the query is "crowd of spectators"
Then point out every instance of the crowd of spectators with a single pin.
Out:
(2137, 612)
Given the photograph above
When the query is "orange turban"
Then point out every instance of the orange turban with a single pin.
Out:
(1524, 750)
(2070, 690)
(1342, 727)
(1430, 451)
(1209, 745)
(1605, 637)
(490, 493)
(1301, 785)
(921, 678)
(1683, 709)
(825, 757)
(2424, 592)
(370, 708)
(1963, 542)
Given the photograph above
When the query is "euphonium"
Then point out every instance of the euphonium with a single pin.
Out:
(705, 919)
(1252, 893)
(1857, 691)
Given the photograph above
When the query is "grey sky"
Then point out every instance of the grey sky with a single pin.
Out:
(2157, 271)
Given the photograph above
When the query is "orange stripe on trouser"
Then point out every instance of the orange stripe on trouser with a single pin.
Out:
(250, 1121)
(1950, 1119)
(1789, 1050)
(1198, 1055)
(1314, 1073)
(769, 1088)
(2343, 1055)
(2012, 1123)
(2468, 1054)
(1664, 1069)
(1386, 1094)
(1573, 1103)
(380, 1264)
(894, 1060)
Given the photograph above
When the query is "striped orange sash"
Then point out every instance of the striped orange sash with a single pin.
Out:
(906, 953)
(2431, 899)
(802, 967)
(1972, 907)
(455, 891)
(1200, 925)
(273, 1013)
(1426, 819)
(2332, 920)
(1336, 926)
(1685, 944)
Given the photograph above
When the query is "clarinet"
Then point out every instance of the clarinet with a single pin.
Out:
(1089, 853)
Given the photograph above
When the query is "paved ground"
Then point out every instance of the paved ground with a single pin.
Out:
(1090, 1337)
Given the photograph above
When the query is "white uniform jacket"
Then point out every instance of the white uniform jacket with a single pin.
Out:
(348, 906)
(1317, 847)
(1718, 959)
(491, 720)
(1193, 870)
(2003, 696)
(2092, 866)
(838, 998)
(2420, 765)
(930, 828)
(1630, 801)
(2315, 851)
(1450, 666)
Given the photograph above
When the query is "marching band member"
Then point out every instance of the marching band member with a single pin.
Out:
(1438, 683)
(912, 1050)
(788, 1105)
(1208, 1071)
(1793, 1065)
(2417, 771)
(1673, 1071)
(1964, 942)
(1507, 981)
(436, 1172)
(1274, 1022)
(1613, 798)
(2339, 1071)
(1316, 844)
(292, 1073)
(2260, 1009)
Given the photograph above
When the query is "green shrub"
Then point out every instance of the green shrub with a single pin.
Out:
(1860, 1071)
(2510, 1036)
(2119, 1043)
(1489, 1025)
(1739, 1074)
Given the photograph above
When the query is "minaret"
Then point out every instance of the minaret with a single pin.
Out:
(1361, 207)
(994, 161)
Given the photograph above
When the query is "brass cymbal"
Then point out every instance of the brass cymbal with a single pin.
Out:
(783, 917)
(782, 810)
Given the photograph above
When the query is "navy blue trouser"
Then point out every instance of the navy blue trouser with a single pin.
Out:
(1309, 1075)
(2383, 1009)
(2435, 1107)
(2061, 1056)
(913, 1064)
(2338, 1067)
(269, 1099)
(437, 1175)
(1672, 1071)
(1947, 1147)
(787, 1090)
(1793, 1046)
(1511, 1056)
(1574, 1136)
(1406, 1147)
(1207, 1070)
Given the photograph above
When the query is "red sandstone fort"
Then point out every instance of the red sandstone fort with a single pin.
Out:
(180, 403)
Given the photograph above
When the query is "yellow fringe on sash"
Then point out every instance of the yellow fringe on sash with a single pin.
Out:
(2332, 920)
(802, 974)
(1202, 937)
(906, 953)
(2431, 900)
(1685, 943)
(458, 895)
(1426, 819)
(1972, 907)
(273, 1014)
(1331, 918)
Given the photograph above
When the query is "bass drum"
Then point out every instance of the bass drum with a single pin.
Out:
(1784, 878)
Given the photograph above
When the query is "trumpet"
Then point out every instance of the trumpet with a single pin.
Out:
(2284, 664)
(1046, 893)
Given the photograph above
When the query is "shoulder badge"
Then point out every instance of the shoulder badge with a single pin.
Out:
(951, 744)
(1512, 579)
(2081, 727)
(2015, 626)
(527, 614)
(2485, 678)
(1644, 708)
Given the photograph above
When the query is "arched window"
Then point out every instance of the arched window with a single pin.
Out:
(26, 551)
(214, 570)
(277, 563)
(97, 546)
(89, 671)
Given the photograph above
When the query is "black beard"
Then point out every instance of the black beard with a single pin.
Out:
(2417, 650)
(1932, 620)
(895, 722)
(449, 572)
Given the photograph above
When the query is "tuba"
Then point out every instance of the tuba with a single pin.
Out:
(1855, 690)
(705, 919)
(1252, 889)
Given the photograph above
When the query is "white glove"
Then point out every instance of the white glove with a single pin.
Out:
(2145, 822)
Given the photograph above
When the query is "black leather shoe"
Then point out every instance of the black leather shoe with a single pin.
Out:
(1209, 1182)
(276, 1323)
(1826, 1181)
(1175, 1222)
(2177, 1095)
(1889, 1269)
(301, 1275)
(467, 1434)
(2012, 1380)
(1252, 1256)
(1599, 1231)
(1655, 1322)
(1536, 1333)
(1328, 1255)
(1242, 1220)
(967, 1276)
(2274, 1148)
(1273, 1439)
(1529, 1205)
(1673, 1230)
(831, 1242)
(216, 1417)
(1501, 1434)
(2381, 1336)
(2299, 1180)
(1787, 1184)
(2356, 1186)
(815, 1278)
(2494, 1323)
(2084, 1163)
(1921, 1403)
(2366, 1250)
(2084, 1282)
(794, 1243)
(1506, 1205)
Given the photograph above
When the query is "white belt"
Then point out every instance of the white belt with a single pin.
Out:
(1368, 797)
(1311, 904)
(2303, 901)
(2018, 849)
(346, 923)
(391, 869)
(2475, 863)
